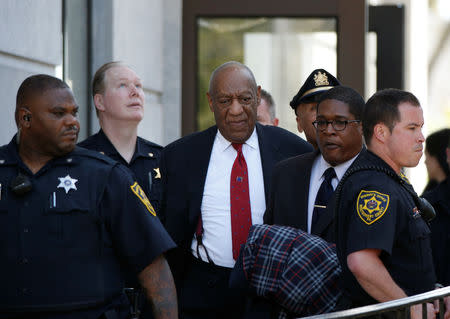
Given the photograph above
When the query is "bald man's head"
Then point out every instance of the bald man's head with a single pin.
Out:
(226, 66)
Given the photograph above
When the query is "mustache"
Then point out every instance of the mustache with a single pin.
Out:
(71, 129)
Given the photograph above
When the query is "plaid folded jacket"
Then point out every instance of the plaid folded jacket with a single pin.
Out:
(297, 270)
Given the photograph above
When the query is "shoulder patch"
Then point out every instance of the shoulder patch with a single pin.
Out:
(371, 205)
(139, 192)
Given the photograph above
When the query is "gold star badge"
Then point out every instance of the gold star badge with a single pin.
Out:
(158, 174)
(150, 154)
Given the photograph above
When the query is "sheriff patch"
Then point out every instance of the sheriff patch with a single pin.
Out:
(371, 205)
(139, 192)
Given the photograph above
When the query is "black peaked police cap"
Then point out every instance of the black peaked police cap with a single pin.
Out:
(318, 81)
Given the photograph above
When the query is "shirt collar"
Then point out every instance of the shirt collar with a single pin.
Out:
(106, 146)
(339, 169)
(223, 143)
(110, 150)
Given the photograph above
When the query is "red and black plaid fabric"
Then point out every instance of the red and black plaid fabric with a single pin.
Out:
(297, 270)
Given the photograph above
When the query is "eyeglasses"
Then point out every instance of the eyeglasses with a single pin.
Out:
(338, 125)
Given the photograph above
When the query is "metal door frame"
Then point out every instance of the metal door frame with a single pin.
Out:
(352, 23)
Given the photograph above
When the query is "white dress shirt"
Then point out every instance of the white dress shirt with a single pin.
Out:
(318, 168)
(215, 208)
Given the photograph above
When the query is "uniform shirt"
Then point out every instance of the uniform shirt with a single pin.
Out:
(144, 164)
(215, 208)
(318, 168)
(377, 212)
(83, 218)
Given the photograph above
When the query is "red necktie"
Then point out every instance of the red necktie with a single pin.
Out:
(241, 217)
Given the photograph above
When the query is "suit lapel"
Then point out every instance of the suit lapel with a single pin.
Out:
(199, 160)
(270, 155)
(304, 174)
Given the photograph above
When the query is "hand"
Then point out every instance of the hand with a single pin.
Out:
(416, 311)
(447, 307)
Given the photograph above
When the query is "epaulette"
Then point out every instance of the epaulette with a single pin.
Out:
(83, 152)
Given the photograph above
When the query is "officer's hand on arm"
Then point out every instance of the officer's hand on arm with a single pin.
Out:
(374, 278)
(158, 282)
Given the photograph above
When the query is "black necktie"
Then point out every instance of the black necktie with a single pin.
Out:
(323, 195)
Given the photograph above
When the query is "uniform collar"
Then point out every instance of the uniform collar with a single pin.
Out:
(110, 150)
(107, 147)
(374, 158)
(11, 157)
(11, 153)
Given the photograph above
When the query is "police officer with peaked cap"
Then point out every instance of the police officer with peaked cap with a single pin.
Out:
(119, 99)
(70, 218)
(305, 101)
(383, 240)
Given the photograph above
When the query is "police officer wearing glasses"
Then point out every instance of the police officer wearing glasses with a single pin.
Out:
(303, 185)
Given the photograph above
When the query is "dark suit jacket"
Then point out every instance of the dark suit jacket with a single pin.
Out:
(288, 203)
(184, 164)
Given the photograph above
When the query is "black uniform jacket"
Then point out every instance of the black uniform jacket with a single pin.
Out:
(377, 211)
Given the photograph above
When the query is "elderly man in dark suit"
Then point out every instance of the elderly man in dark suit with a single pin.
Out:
(215, 186)
(302, 186)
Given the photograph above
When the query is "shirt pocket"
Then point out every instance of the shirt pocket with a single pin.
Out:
(73, 223)
(420, 238)
(418, 229)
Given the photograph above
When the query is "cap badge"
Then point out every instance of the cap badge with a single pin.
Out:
(67, 183)
(321, 79)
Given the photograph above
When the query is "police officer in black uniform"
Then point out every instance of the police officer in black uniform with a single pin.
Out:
(304, 103)
(119, 99)
(70, 218)
(383, 238)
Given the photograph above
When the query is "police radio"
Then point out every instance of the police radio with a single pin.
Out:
(21, 185)
(426, 210)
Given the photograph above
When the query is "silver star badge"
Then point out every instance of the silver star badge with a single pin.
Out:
(67, 183)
